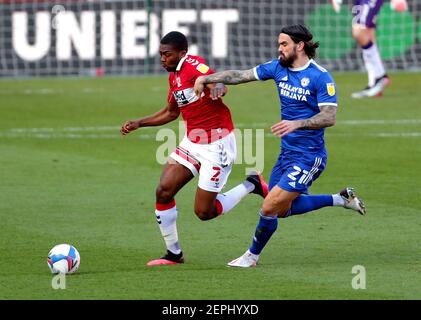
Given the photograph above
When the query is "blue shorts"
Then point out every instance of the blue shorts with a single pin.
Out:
(365, 12)
(296, 171)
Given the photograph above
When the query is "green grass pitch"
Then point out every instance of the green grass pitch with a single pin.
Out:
(67, 176)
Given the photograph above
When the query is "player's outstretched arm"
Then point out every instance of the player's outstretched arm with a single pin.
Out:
(226, 77)
(165, 115)
(325, 118)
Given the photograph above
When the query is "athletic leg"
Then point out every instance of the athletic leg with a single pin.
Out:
(287, 197)
(364, 32)
(276, 202)
(216, 162)
(211, 204)
(173, 178)
(254, 183)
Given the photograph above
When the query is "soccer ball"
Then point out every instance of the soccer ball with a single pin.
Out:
(63, 258)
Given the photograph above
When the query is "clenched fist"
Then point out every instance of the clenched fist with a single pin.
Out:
(129, 126)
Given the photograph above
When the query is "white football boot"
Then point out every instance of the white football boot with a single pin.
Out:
(374, 91)
(352, 201)
(247, 260)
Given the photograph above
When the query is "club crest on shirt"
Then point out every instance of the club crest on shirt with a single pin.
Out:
(305, 82)
(178, 80)
(330, 89)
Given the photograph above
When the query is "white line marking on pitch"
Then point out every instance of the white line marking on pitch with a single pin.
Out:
(57, 135)
(45, 91)
(380, 122)
(83, 132)
(262, 125)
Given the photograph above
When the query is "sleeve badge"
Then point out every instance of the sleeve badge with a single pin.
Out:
(330, 89)
(202, 68)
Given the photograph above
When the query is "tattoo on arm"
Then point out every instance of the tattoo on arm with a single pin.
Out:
(325, 118)
(231, 77)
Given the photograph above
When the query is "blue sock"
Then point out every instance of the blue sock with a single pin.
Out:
(264, 230)
(306, 203)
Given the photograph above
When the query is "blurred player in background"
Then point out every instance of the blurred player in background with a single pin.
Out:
(307, 94)
(364, 32)
(207, 150)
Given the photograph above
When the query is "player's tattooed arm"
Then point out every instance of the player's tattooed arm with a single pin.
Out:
(230, 77)
(226, 77)
(325, 118)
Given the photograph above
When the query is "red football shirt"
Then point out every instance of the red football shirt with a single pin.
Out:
(206, 120)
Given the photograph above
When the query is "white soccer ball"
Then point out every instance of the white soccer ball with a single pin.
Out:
(63, 258)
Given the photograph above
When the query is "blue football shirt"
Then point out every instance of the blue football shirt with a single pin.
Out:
(301, 92)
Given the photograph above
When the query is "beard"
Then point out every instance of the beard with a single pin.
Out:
(288, 62)
(170, 68)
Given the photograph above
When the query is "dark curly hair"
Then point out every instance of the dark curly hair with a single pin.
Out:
(299, 32)
(176, 39)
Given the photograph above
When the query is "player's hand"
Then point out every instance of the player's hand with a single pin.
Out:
(218, 91)
(284, 127)
(199, 86)
(129, 126)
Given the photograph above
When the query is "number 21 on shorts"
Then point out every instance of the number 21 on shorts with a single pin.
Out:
(297, 171)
